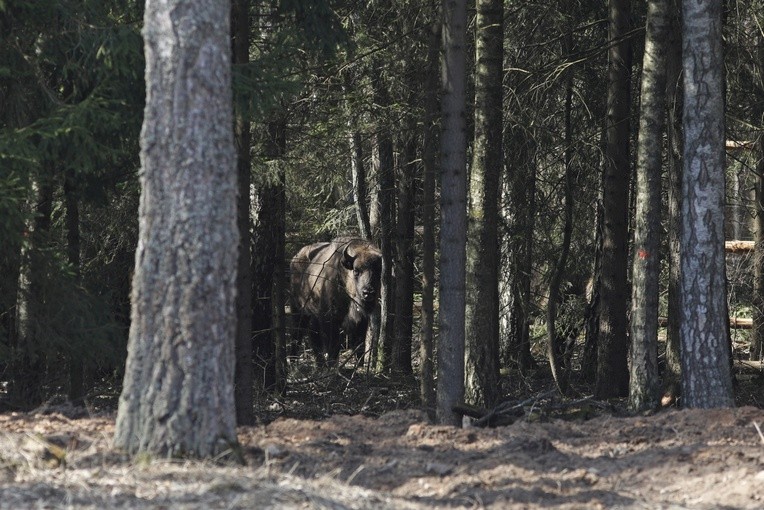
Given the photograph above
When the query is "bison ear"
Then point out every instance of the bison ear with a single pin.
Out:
(348, 257)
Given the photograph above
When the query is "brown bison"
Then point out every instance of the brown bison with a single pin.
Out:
(334, 288)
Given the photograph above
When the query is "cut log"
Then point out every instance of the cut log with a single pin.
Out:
(739, 246)
(735, 322)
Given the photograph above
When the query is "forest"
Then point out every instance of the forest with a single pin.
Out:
(553, 212)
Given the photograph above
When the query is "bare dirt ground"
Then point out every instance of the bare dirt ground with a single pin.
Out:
(712, 459)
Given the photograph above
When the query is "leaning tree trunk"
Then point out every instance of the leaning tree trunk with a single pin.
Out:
(643, 382)
(178, 397)
(482, 273)
(612, 346)
(706, 375)
(453, 203)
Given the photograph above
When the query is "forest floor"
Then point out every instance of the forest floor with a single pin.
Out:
(347, 446)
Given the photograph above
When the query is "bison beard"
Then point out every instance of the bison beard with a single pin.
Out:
(334, 288)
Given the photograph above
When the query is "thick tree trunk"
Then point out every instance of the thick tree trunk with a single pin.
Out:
(244, 379)
(757, 336)
(643, 383)
(706, 377)
(482, 277)
(178, 396)
(612, 344)
(453, 203)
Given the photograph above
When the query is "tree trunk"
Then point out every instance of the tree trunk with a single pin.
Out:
(706, 377)
(429, 164)
(520, 213)
(404, 255)
(555, 347)
(757, 335)
(178, 396)
(643, 382)
(72, 221)
(671, 375)
(28, 361)
(357, 170)
(482, 272)
(383, 148)
(244, 378)
(268, 265)
(612, 344)
(453, 203)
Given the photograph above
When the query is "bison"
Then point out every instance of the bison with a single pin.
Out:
(334, 288)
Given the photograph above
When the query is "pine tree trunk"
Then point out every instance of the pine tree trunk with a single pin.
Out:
(244, 378)
(757, 336)
(383, 147)
(178, 396)
(672, 371)
(612, 344)
(429, 163)
(706, 377)
(453, 203)
(482, 289)
(72, 221)
(643, 382)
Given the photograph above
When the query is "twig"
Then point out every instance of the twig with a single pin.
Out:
(758, 429)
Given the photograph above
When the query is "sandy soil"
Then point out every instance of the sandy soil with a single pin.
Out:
(674, 459)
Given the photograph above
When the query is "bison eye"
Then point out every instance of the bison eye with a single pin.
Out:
(356, 271)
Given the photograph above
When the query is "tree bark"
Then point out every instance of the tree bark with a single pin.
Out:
(757, 336)
(612, 344)
(671, 375)
(453, 202)
(643, 383)
(482, 272)
(429, 164)
(244, 375)
(178, 396)
(383, 148)
(706, 377)
(72, 221)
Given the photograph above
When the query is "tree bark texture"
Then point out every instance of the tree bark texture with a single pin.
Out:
(706, 377)
(672, 370)
(453, 203)
(643, 381)
(72, 220)
(482, 272)
(178, 396)
(612, 344)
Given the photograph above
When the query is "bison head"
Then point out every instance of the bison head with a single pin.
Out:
(364, 263)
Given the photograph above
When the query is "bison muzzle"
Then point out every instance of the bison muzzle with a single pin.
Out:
(334, 288)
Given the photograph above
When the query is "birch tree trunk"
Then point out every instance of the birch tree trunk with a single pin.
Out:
(482, 278)
(178, 397)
